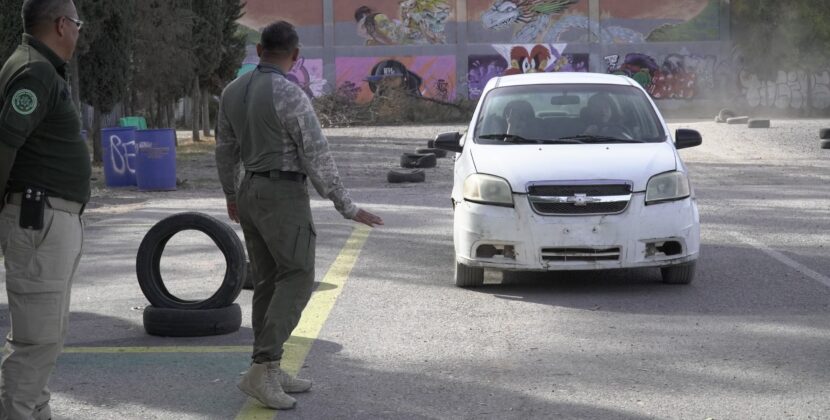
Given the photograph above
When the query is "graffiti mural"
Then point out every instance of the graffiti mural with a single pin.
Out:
(659, 20)
(410, 22)
(678, 76)
(530, 20)
(306, 73)
(360, 78)
(517, 59)
(788, 91)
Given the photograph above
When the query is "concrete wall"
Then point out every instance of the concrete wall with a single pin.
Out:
(679, 50)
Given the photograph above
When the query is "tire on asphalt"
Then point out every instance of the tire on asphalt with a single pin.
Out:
(439, 153)
(431, 144)
(725, 114)
(758, 123)
(398, 176)
(418, 160)
(679, 274)
(824, 134)
(825, 144)
(466, 276)
(152, 246)
(167, 322)
(737, 120)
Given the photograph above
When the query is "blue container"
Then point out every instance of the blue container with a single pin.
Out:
(118, 146)
(156, 159)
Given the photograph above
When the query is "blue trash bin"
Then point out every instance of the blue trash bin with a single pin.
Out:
(156, 159)
(118, 147)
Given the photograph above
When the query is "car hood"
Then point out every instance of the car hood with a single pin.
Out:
(522, 164)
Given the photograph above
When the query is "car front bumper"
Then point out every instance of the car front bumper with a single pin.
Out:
(641, 236)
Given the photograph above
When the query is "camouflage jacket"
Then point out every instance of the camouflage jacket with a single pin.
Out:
(267, 123)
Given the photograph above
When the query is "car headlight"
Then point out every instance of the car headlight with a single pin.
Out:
(488, 189)
(669, 186)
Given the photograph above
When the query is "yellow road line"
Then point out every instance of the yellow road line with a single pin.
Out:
(314, 316)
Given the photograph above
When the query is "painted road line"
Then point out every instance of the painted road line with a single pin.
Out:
(314, 316)
(795, 265)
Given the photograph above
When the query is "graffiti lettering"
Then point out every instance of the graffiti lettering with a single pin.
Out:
(122, 155)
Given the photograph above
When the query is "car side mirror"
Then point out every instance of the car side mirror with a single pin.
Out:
(449, 141)
(684, 138)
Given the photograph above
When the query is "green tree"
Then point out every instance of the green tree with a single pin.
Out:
(207, 34)
(11, 28)
(104, 58)
(233, 46)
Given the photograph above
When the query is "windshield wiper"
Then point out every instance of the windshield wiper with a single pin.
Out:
(587, 138)
(509, 138)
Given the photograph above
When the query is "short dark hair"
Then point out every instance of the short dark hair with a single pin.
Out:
(35, 12)
(279, 37)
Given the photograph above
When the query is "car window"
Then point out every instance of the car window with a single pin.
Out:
(581, 112)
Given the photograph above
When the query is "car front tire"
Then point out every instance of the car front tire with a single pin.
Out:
(466, 276)
(679, 274)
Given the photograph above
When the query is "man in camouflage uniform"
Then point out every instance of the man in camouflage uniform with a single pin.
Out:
(268, 123)
(44, 183)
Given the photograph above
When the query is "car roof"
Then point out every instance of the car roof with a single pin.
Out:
(560, 78)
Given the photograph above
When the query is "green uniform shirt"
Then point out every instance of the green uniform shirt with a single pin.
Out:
(40, 122)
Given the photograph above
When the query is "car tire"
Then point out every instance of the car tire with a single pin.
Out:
(152, 246)
(431, 144)
(466, 276)
(439, 153)
(418, 160)
(737, 120)
(679, 274)
(725, 114)
(758, 123)
(825, 144)
(824, 134)
(398, 176)
(167, 322)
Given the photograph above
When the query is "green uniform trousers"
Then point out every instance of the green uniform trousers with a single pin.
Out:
(279, 233)
(40, 266)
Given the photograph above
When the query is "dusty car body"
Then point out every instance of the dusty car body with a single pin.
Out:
(542, 182)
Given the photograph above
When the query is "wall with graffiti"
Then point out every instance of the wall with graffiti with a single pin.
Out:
(517, 59)
(390, 22)
(671, 76)
(528, 21)
(361, 78)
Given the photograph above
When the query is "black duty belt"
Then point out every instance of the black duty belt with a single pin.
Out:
(286, 175)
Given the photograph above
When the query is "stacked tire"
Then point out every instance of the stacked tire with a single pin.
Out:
(413, 164)
(824, 134)
(170, 316)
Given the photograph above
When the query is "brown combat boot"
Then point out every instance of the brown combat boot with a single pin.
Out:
(263, 384)
(289, 383)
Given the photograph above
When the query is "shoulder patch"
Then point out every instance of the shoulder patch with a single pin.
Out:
(24, 101)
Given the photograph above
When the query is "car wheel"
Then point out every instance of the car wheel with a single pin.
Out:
(825, 144)
(418, 160)
(167, 322)
(824, 134)
(397, 176)
(466, 276)
(439, 153)
(679, 274)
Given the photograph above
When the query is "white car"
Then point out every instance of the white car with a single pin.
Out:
(571, 171)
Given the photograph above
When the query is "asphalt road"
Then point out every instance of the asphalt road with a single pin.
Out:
(750, 338)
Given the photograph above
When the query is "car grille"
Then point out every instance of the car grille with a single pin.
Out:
(581, 254)
(579, 199)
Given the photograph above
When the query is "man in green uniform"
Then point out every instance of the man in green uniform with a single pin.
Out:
(44, 183)
(268, 123)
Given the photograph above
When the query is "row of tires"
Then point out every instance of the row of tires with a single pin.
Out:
(729, 117)
(413, 165)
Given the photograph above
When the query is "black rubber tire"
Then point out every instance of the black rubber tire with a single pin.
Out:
(431, 144)
(439, 153)
(737, 120)
(725, 114)
(152, 247)
(825, 144)
(397, 176)
(248, 283)
(466, 276)
(758, 123)
(418, 160)
(166, 322)
(679, 274)
(824, 134)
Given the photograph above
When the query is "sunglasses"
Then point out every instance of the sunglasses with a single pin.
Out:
(79, 23)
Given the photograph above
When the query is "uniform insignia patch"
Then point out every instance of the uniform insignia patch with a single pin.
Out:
(24, 101)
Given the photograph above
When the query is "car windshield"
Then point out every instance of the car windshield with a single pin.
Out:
(567, 114)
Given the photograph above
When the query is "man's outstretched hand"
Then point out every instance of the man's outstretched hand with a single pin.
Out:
(367, 218)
